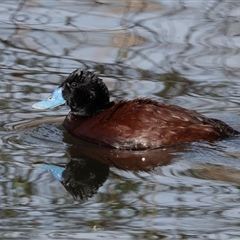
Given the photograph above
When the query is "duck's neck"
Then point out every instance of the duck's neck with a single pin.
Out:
(91, 110)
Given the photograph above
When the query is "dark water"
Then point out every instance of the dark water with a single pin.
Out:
(179, 52)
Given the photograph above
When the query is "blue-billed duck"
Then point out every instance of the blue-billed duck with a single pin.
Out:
(137, 124)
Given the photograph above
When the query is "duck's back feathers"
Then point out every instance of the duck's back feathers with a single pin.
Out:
(144, 123)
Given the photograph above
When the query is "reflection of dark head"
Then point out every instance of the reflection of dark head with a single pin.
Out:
(83, 177)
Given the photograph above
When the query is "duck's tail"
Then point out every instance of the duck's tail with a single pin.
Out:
(223, 129)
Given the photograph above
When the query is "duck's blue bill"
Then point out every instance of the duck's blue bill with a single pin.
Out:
(56, 170)
(54, 100)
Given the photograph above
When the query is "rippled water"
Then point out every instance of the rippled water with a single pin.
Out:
(179, 52)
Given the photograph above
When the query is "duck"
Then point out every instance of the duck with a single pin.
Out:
(138, 124)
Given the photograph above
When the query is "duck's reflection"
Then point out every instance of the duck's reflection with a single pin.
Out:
(127, 160)
(83, 177)
(89, 166)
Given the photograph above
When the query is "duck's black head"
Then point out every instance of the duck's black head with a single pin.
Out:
(85, 93)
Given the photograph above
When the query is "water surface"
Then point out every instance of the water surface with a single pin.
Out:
(178, 52)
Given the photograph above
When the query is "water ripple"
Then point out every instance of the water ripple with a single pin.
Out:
(181, 52)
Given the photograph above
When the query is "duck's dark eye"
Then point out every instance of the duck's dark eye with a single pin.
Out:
(73, 184)
(74, 84)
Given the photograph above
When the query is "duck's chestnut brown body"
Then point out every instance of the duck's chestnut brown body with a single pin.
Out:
(136, 125)
(143, 123)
